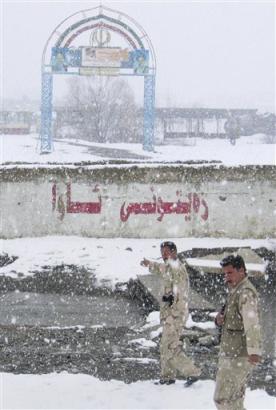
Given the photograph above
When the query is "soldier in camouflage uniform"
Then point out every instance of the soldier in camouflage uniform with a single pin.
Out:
(173, 316)
(240, 347)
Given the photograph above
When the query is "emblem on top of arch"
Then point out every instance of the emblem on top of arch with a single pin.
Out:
(100, 37)
(131, 52)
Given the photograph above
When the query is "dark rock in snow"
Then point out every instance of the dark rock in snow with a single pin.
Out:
(5, 259)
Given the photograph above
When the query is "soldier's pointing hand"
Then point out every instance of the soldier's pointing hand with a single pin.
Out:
(145, 262)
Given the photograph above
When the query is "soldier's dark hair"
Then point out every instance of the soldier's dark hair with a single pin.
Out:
(235, 260)
(169, 244)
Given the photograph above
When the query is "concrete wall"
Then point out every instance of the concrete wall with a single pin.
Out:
(139, 201)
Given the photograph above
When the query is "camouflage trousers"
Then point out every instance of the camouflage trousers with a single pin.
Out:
(232, 376)
(173, 360)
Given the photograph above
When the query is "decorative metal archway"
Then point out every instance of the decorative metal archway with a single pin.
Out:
(60, 56)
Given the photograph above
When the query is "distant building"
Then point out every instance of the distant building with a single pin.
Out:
(174, 124)
(15, 122)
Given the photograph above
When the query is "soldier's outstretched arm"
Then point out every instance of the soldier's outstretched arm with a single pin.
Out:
(154, 267)
(158, 268)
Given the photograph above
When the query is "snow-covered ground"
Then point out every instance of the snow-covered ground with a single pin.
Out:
(68, 391)
(113, 261)
(248, 150)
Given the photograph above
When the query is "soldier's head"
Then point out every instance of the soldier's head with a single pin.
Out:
(168, 250)
(234, 269)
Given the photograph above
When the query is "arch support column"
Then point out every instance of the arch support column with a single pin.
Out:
(46, 114)
(149, 104)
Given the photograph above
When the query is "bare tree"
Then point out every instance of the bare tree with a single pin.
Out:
(101, 109)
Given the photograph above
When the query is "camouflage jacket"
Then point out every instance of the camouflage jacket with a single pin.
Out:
(175, 280)
(241, 335)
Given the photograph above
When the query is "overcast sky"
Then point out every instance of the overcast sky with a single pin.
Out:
(211, 54)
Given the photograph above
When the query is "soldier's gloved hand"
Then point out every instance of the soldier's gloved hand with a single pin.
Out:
(168, 298)
(219, 319)
(254, 359)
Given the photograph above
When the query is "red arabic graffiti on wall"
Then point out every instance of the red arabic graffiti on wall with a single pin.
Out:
(194, 204)
(158, 206)
(73, 207)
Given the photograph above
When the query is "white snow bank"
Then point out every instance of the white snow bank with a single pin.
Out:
(202, 325)
(67, 391)
(248, 150)
(144, 343)
(113, 260)
(153, 319)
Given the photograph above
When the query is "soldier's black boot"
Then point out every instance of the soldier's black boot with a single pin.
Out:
(190, 380)
(165, 381)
